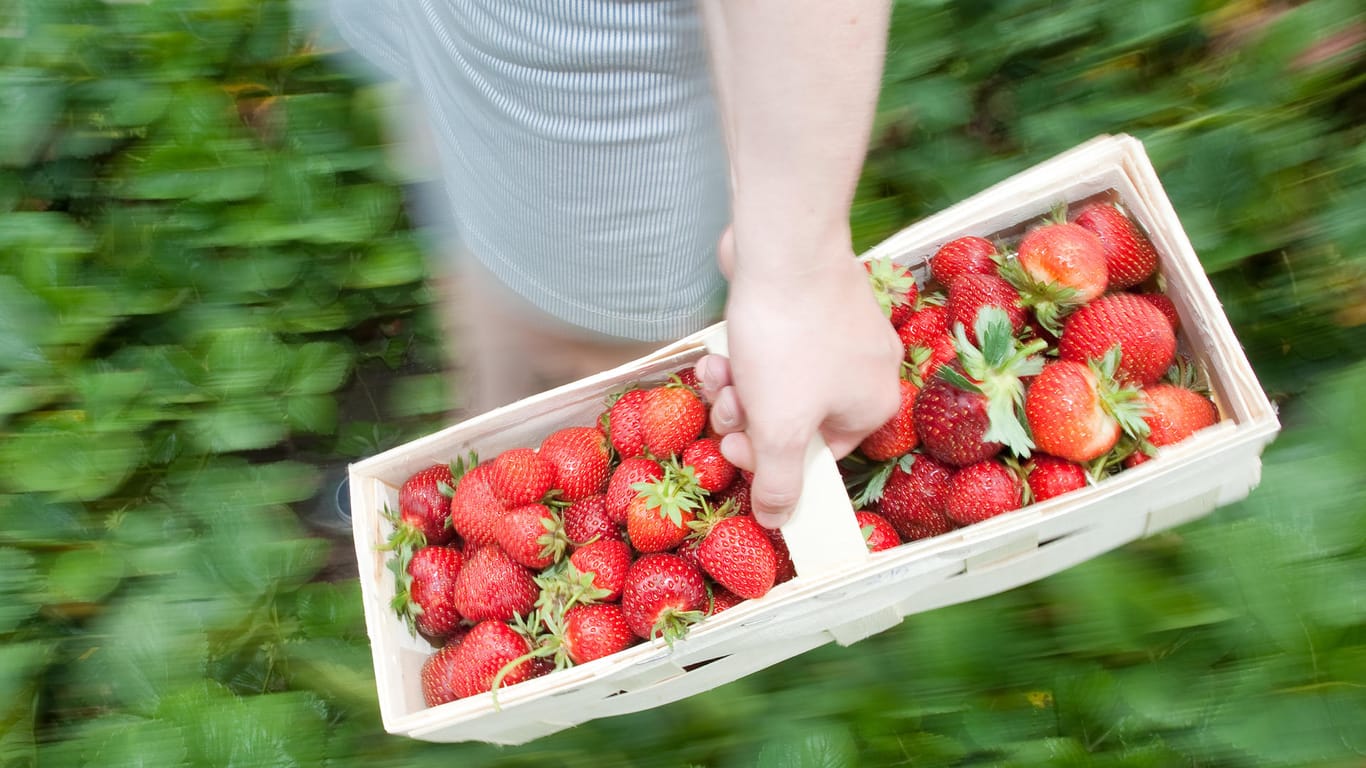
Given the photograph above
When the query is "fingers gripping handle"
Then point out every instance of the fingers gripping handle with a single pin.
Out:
(822, 533)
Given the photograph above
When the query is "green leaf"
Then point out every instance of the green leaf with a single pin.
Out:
(318, 368)
(815, 746)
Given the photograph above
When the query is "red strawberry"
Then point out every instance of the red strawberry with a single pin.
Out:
(1077, 412)
(532, 535)
(1174, 414)
(737, 494)
(621, 492)
(722, 599)
(1146, 340)
(688, 378)
(1048, 476)
(663, 595)
(981, 491)
(520, 476)
(1129, 254)
(608, 561)
(737, 553)
(964, 256)
(673, 416)
(594, 631)
(424, 504)
(897, 437)
(1164, 305)
(1058, 267)
(913, 499)
(475, 508)
(714, 472)
(437, 672)
(972, 293)
(581, 458)
(940, 527)
(927, 341)
(426, 589)
(492, 585)
(658, 517)
(586, 520)
(622, 423)
(484, 653)
(878, 533)
(894, 287)
(967, 412)
(785, 570)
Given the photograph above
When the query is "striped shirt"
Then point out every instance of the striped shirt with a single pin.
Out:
(579, 144)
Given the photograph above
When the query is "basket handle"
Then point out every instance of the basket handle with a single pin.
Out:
(822, 534)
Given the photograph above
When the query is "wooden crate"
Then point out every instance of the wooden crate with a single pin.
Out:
(859, 594)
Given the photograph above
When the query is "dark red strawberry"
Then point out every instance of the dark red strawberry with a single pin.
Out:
(608, 561)
(475, 508)
(673, 416)
(594, 631)
(1049, 476)
(878, 533)
(981, 491)
(663, 596)
(521, 476)
(927, 341)
(970, 294)
(1146, 340)
(658, 518)
(897, 437)
(622, 423)
(714, 472)
(913, 499)
(1174, 414)
(492, 585)
(581, 457)
(424, 504)
(1058, 267)
(485, 653)
(533, 535)
(722, 599)
(688, 378)
(437, 672)
(784, 569)
(1129, 254)
(1166, 306)
(621, 491)
(1077, 412)
(894, 287)
(964, 256)
(586, 520)
(737, 553)
(737, 495)
(425, 596)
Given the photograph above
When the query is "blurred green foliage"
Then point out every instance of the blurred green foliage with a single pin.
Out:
(209, 293)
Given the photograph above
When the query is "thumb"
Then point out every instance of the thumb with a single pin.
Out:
(778, 474)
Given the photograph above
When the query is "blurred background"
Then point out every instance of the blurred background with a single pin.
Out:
(213, 296)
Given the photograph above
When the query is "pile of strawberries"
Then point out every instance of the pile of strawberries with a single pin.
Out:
(1029, 373)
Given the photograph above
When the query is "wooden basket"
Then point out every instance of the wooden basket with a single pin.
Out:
(861, 594)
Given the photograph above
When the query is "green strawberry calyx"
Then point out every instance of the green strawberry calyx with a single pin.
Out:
(1123, 402)
(1051, 302)
(892, 284)
(675, 492)
(994, 370)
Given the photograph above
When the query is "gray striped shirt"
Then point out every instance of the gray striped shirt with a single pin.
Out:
(580, 147)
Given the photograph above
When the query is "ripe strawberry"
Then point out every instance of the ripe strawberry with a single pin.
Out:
(688, 378)
(964, 256)
(657, 518)
(927, 341)
(586, 520)
(894, 287)
(1146, 340)
(897, 437)
(1129, 254)
(1048, 476)
(581, 457)
(1164, 305)
(1077, 412)
(714, 472)
(425, 596)
(621, 492)
(784, 570)
(424, 505)
(608, 562)
(475, 508)
(1174, 414)
(521, 476)
(722, 599)
(663, 595)
(594, 631)
(622, 423)
(968, 411)
(981, 491)
(737, 495)
(672, 417)
(878, 533)
(437, 672)
(487, 651)
(1058, 267)
(913, 499)
(532, 535)
(737, 553)
(972, 293)
(492, 585)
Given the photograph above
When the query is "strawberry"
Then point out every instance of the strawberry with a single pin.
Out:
(586, 520)
(927, 340)
(622, 423)
(521, 476)
(964, 256)
(894, 287)
(490, 649)
(968, 411)
(594, 631)
(878, 533)
(981, 491)
(424, 506)
(436, 675)
(492, 585)
(621, 492)
(607, 561)
(581, 457)
(722, 599)
(1164, 305)
(533, 535)
(714, 472)
(1048, 476)
(663, 595)
(1129, 255)
(1077, 412)
(737, 495)
(657, 518)
(897, 437)
(475, 508)
(672, 417)
(688, 378)
(913, 498)
(737, 553)
(425, 597)
(784, 569)
(1058, 267)
(972, 293)
(1174, 414)
(1145, 338)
